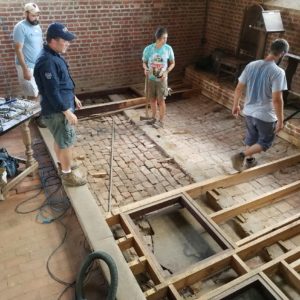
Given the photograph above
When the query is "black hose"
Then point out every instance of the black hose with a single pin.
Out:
(112, 269)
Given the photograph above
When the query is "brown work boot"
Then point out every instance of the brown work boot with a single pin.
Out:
(71, 179)
(238, 161)
(74, 166)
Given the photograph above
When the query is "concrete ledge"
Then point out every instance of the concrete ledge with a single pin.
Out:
(98, 232)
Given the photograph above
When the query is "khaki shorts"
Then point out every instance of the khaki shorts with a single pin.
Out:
(158, 89)
(29, 87)
(63, 133)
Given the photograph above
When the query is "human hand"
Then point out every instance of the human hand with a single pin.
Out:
(26, 74)
(78, 103)
(164, 75)
(279, 126)
(72, 119)
(236, 111)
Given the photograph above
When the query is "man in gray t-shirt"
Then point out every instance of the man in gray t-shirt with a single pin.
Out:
(28, 40)
(263, 110)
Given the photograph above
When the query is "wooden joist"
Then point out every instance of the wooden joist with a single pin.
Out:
(265, 199)
(111, 107)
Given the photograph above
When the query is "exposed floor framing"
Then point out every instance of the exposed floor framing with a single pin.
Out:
(235, 255)
(261, 259)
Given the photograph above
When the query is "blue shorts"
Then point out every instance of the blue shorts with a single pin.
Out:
(259, 132)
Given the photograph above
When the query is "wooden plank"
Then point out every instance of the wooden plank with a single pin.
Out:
(274, 227)
(296, 265)
(290, 275)
(154, 267)
(250, 249)
(274, 287)
(113, 220)
(263, 200)
(212, 228)
(196, 189)
(174, 293)
(161, 291)
(20, 177)
(237, 285)
(95, 92)
(239, 266)
(129, 242)
(110, 107)
(126, 242)
(138, 265)
(229, 288)
(202, 270)
(289, 138)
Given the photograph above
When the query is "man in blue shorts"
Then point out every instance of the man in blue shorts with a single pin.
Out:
(158, 62)
(58, 101)
(264, 82)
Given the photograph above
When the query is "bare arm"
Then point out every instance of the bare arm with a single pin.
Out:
(145, 67)
(237, 97)
(171, 66)
(278, 106)
(21, 59)
(169, 69)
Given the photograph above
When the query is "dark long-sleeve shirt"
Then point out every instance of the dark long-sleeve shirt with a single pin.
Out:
(54, 81)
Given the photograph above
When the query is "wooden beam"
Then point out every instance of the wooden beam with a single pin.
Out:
(239, 266)
(211, 227)
(290, 138)
(128, 242)
(202, 270)
(296, 265)
(138, 265)
(90, 110)
(154, 267)
(290, 275)
(250, 249)
(228, 213)
(274, 287)
(196, 189)
(274, 227)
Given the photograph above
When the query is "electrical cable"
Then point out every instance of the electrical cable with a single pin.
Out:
(61, 204)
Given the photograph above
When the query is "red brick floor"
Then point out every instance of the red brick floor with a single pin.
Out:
(26, 244)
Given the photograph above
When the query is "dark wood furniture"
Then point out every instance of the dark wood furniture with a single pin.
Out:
(257, 24)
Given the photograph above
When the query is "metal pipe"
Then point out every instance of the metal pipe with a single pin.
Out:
(111, 164)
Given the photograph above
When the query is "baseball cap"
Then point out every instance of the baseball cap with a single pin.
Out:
(32, 8)
(58, 30)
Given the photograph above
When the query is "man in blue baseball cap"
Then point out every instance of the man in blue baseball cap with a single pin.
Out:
(58, 100)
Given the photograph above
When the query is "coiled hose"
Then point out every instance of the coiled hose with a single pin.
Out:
(112, 269)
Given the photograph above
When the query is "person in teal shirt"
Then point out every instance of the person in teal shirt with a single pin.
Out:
(158, 61)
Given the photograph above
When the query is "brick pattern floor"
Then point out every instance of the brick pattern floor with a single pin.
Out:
(202, 135)
(140, 168)
(199, 134)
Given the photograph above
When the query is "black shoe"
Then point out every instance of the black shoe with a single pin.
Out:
(251, 162)
(39, 122)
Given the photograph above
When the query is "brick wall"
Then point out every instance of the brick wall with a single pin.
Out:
(224, 22)
(111, 36)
